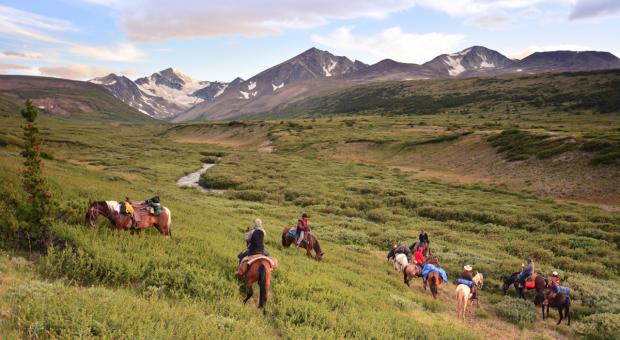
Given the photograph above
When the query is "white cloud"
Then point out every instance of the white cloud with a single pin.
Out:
(162, 20)
(20, 24)
(20, 55)
(594, 8)
(123, 52)
(490, 20)
(532, 49)
(75, 71)
(391, 43)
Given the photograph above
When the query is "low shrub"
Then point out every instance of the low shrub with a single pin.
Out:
(599, 326)
(517, 311)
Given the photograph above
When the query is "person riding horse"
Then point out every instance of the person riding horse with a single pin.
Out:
(467, 278)
(423, 238)
(419, 257)
(302, 228)
(400, 249)
(526, 272)
(255, 241)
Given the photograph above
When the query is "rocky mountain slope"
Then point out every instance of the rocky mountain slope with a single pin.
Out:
(171, 95)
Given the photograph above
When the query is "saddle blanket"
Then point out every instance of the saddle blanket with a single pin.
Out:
(247, 261)
(468, 283)
(531, 284)
(432, 268)
(561, 289)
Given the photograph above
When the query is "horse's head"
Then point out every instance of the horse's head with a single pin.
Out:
(91, 214)
(479, 280)
(319, 257)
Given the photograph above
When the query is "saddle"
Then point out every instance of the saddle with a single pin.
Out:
(530, 284)
(247, 261)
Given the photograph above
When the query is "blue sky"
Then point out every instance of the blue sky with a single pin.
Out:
(220, 40)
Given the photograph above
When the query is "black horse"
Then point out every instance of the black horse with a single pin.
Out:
(540, 284)
(561, 302)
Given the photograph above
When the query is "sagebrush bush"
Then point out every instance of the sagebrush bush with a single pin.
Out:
(601, 326)
(517, 311)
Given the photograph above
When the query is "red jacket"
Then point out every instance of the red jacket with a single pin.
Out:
(419, 256)
(302, 224)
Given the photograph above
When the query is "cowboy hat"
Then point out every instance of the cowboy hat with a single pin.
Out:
(467, 268)
(555, 273)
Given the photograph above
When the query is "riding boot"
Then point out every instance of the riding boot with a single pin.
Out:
(300, 239)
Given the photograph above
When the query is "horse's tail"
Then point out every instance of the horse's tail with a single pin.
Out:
(434, 285)
(262, 283)
(284, 232)
(168, 221)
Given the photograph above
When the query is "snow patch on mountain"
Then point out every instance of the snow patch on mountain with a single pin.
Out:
(182, 97)
(275, 87)
(244, 95)
(329, 68)
(251, 85)
(454, 64)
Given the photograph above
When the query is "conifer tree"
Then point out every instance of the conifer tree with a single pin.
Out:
(38, 206)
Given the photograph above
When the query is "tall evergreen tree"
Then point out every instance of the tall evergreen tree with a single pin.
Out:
(33, 180)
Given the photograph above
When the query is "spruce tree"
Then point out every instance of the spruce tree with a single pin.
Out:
(38, 206)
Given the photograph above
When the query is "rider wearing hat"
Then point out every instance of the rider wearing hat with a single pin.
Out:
(467, 275)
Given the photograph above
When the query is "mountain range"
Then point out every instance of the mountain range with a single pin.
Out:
(171, 95)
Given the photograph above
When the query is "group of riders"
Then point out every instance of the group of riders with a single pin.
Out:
(415, 256)
(254, 238)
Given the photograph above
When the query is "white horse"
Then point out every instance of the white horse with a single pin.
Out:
(462, 296)
(400, 262)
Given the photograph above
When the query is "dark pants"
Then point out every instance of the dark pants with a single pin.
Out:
(247, 253)
(522, 277)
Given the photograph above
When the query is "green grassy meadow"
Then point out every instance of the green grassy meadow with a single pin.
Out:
(114, 284)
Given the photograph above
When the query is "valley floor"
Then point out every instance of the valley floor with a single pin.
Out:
(123, 285)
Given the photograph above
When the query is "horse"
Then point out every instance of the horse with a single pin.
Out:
(310, 243)
(259, 271)
(434, 278)
(400, 262)
(561, 302)
(410, 271)
(462, 295)
(540, 284)
(110, 210)
(427, 249)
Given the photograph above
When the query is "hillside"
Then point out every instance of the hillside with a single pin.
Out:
(358, 207)
(547, 94)
(65, 98)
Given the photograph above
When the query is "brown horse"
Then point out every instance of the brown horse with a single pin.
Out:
(435, 280)
(309, 243)
(540, 284)
(110, 210)
(258, 271)
(411, 271)
(559, 301)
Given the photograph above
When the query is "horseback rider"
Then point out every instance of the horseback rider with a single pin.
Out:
(419, 257)
(555, 279)
(302, 228)
(468, 276)
(423, 238)
(254, 240)
(526, 272)
(401, 248)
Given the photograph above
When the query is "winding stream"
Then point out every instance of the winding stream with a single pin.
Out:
(192, 180)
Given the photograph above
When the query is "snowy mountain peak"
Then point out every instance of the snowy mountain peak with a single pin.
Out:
(468, 60)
